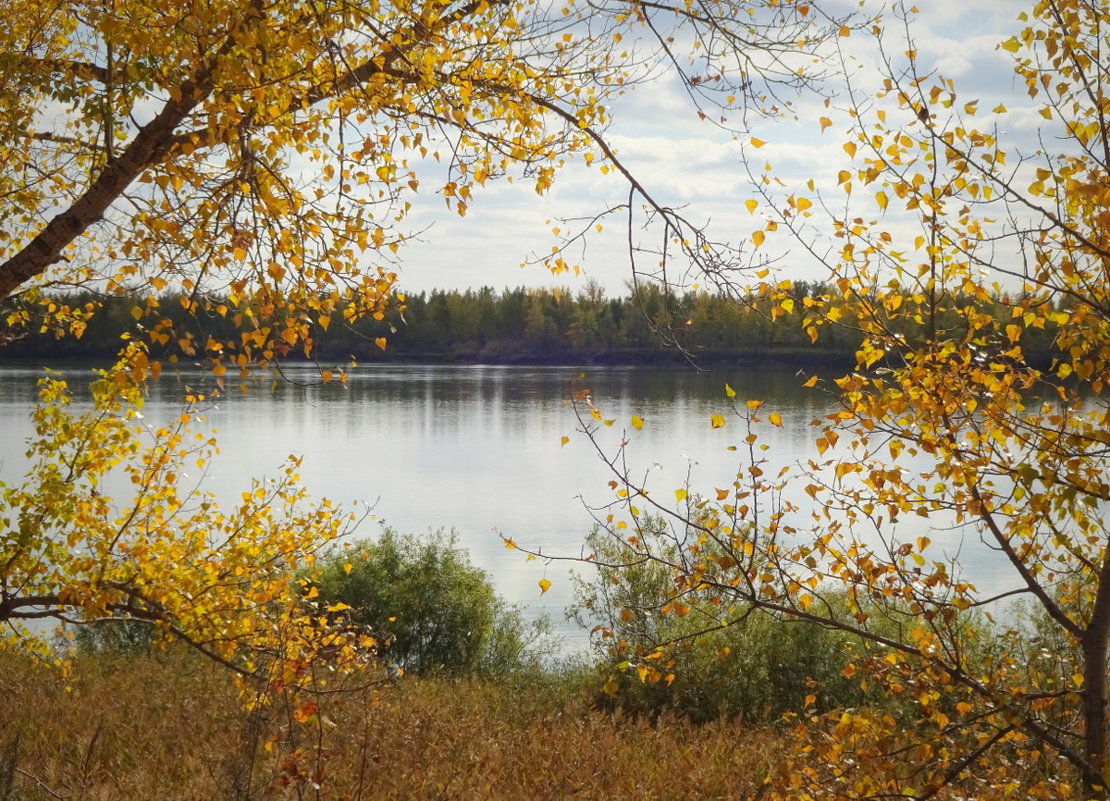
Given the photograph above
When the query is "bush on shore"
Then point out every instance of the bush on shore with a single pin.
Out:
(431, 609)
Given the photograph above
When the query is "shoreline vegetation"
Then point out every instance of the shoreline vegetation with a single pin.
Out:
(462, 662)
(145, 717)
(647, 327)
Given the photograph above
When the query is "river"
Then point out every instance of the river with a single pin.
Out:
(477, 449)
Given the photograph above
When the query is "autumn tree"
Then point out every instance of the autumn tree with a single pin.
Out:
(943, 436)
(258, 159)
(271, 151)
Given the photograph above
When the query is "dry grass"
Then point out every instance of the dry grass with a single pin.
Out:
(163, 727)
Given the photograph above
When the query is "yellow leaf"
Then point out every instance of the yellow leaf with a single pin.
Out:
(757, 142)
(306, 712)
(563, 441)
(757, 238)
(825, 123)
(380, 342)
(730, 391)
(751, 204)
(545, 585)
(680, 495)
(637, 422)
(717, 421)
(775, 418)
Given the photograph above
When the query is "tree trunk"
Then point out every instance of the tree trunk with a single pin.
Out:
(1096, 640)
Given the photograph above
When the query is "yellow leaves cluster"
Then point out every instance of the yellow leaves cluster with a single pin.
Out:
(220, 580)
(976, 400)
(245, 98)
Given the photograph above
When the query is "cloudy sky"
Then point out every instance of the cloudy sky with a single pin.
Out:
(685, 161)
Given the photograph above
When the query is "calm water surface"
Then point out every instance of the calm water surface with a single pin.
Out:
(475, 449)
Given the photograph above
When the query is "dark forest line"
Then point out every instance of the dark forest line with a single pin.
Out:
(513, 326)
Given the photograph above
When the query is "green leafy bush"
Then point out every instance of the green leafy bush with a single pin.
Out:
(431, 609)
(718, 659)
(113, 636)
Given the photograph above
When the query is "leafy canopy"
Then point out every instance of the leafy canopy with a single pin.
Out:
(271, 151)
(944, 433)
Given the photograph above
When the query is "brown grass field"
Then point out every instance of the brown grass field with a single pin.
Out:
(167, 727)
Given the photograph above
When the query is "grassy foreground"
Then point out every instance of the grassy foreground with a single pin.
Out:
(163, 726)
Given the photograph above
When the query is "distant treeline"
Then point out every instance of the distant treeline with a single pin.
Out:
(649, 325)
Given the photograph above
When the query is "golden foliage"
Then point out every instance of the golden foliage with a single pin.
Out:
(222, 581)
(945, 421)
(271, 152)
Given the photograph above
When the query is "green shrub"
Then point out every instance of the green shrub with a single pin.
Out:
(431, 609)
(726, 661)
(114, 636)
